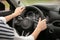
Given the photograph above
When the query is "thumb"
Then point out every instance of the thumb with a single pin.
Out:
(39, 19)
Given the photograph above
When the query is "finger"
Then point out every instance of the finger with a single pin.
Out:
(39, 19)
(22, 7)
(44, 20)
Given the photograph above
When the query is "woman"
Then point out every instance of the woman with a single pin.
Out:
(7, 33)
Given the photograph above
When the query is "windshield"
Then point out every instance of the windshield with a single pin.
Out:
(31, 2)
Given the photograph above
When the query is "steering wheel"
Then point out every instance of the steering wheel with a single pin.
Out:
(27, 21)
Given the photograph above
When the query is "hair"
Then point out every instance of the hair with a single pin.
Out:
(2, 6)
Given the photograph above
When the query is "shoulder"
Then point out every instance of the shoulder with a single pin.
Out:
(2, 20)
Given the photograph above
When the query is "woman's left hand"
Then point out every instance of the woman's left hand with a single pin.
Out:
(18, 11)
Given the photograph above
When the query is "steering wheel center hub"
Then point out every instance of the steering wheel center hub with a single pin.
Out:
(26, 23)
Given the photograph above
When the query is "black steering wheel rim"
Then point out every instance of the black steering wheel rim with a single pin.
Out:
(33, 7)
(31, 29)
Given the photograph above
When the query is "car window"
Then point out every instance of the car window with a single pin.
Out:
(7, 6)
(29, 2)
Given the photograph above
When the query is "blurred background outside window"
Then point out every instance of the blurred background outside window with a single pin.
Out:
(29, 2)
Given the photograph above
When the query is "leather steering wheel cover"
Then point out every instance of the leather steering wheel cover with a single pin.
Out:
(33, 7)
(20, 29)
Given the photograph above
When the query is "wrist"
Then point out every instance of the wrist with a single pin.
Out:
(39, 28)
(13, 15)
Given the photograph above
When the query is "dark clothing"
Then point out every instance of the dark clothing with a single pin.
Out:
(2, 6)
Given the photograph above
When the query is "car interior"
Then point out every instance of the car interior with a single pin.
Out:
(28, 20)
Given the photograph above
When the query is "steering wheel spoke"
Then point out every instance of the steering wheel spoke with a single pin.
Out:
(20, 18)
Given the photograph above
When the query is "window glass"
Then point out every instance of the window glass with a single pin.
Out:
(7, 6)
(29, 2)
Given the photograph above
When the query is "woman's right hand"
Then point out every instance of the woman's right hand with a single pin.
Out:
(42, 24)
(40, 27)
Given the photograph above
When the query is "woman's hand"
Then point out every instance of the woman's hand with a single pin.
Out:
(40, 27)
(42, 24)
(18, 11)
